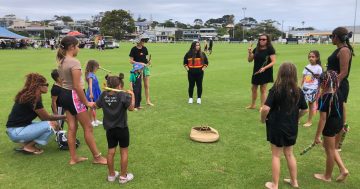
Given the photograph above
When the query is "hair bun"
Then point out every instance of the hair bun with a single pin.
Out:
(106, 76)
(121, 76)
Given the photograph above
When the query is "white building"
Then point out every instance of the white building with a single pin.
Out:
(165, 34)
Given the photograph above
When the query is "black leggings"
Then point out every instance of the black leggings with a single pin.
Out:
(137, 92)
(195, 77)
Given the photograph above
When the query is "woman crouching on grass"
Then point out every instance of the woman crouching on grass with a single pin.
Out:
(28, 105)
(281, 111)
(74, 101)
(330, 125)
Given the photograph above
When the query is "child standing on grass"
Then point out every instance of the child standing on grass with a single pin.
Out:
(114, 105)
(310, 83)
(55, 93)
(93, 92)
(281, 111)
(135, 83)
(330, 125)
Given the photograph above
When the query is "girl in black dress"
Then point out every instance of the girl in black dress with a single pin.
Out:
(264, 59)
(281, 113)
(330, 125)
(340, 62)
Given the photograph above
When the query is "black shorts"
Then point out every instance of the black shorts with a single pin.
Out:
(344, 89)
(70, 101)
(332, 127)
(117, 136)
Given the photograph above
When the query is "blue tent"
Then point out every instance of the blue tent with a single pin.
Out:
(4, 33)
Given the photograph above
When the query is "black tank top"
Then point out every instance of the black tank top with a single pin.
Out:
(334, 62)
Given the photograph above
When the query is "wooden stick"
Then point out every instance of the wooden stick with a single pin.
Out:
(307, 149)
(104, 69)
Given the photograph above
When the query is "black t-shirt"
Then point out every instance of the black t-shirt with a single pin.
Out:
(56, 91)
(23, 114)
(282, 115)
(336, 106)
(262, 58)
(114, 108)
(139, 55)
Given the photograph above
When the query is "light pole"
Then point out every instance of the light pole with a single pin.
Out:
(244, 9)
(354, 23)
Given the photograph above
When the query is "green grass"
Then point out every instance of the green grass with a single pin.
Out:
(161, 155)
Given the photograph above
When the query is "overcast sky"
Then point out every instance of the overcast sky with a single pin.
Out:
(321, 14)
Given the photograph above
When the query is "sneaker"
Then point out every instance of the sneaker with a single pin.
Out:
(94, 124)
(198, 101)
(191, 100)
(113, 178)
(123, 180)
(98, 122)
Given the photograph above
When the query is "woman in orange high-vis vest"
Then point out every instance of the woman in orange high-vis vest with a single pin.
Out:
(195, 62)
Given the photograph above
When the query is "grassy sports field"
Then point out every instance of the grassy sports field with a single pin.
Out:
(161, 155)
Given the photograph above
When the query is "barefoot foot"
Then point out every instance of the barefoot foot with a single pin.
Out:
(292, 184)
(322, 177)
(270, 185)
(77, 160)
(342, 176)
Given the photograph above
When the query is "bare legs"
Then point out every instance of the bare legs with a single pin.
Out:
(254, 89)
(88, 135)
(291, 162)
(332, 156)
(147, 90)
(312, 112)
(123, 163)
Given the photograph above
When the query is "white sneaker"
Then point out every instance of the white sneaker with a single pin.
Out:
(191, 100)
(198, 101)
(123, 180)
(98, 122)
(113, 178)
(94, 124)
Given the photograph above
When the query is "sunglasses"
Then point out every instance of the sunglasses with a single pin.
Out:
(45, 84)
(331, 36)
(262, 39)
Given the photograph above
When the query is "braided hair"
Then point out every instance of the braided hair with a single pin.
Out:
(329, 81)
(28, 93)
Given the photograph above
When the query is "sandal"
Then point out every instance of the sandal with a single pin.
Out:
(35, 152)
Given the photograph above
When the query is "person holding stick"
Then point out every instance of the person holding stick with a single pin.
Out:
(340, 62)
(284, 106)
(138, 55)
(330, 124)
(74, 101)
(115, 103)
(264, 59)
